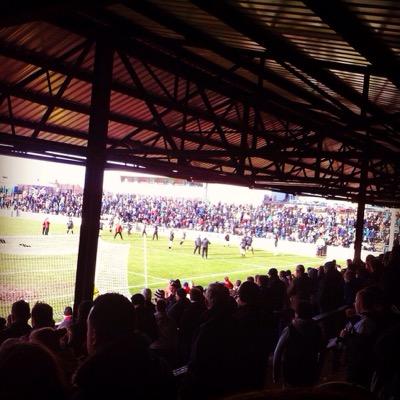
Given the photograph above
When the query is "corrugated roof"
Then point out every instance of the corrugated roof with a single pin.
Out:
(231, 91)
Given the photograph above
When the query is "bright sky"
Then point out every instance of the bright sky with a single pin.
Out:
(14, 171)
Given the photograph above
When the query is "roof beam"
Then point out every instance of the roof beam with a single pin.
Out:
(197, 36)
(359, 35)
(20, 12)
(281, 48)
(273, 104)
(49, 63)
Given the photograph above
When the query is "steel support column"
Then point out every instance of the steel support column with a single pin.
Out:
(363, 181)
(359, 223)
(96, 158)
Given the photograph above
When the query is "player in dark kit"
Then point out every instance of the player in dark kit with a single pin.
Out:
(171, 239)
(155, 232)
(227, 238)
(197, 245)
(243, 246)
(70, 226)
(249, 243)
(204, 247)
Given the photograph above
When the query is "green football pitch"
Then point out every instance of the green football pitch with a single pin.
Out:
(28, 271)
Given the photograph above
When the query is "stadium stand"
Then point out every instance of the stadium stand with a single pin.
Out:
(291, 221)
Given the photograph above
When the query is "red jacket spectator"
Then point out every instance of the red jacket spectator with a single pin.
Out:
(227, 283)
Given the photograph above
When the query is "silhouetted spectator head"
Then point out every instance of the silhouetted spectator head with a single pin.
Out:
(196, 295)
(369, 299)
(312, 273)
(146, 292)
(303, 310)
(238, 283)
(42, 315)
(20, 311)
(217, 296)
(28, 370)
(68, 311)
(273, 273)
(84, 309)
(329, 266)
(375, 266)
(349, 275)
(250, 279)
(349, 264)
(200, 288)
(137, 300)
(180, 294)
(263, 280)
(3, 323)
(249, 293)
(368, 260)
(161, 306)
(47, 337)
(282, 275)
(111, 318)
(300, 270)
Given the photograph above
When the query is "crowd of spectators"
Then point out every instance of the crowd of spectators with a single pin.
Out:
(190, 342)
(282, 220)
